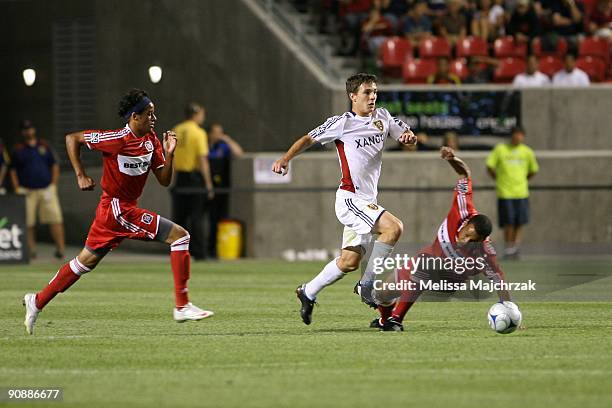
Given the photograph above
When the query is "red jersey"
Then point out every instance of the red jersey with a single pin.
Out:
(445, 244)
(127, 160)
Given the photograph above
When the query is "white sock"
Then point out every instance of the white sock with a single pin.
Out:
(330, 274)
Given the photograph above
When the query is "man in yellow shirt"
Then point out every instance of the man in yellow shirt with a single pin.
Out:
(192, 172)
(511, 165)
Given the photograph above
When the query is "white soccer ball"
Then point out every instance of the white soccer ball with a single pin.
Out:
(504, 317)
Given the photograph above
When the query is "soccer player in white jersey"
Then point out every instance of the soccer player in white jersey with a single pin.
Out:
(359, 137)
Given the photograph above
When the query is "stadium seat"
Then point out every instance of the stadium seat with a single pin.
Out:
(393, 52)
(536, 46)
(472, 47)
(550, 64)
(434, 47)
(508, 68)
(416, 71)
(594, 67)
(459, 68)
(595, 47)
(506, 47)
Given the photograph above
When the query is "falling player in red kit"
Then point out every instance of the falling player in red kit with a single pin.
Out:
(128, 156)
(463, 234)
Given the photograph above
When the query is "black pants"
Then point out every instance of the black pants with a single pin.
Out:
(218, 208)
(188, 210)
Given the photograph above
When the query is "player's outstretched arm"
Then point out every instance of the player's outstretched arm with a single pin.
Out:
(74, 142)
(164, 174)
(281, 166)
(456, 163)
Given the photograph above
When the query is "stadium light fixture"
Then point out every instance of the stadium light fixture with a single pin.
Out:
(29, 76)
(155, 73)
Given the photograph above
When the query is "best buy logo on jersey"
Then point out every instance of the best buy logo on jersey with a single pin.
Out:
(9, 236)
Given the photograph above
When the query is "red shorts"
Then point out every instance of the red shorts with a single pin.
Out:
(116, 221)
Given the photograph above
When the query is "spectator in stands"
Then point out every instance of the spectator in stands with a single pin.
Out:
(222, 150)
(4, 160)
(437, 7)
(443, 74)
(34, 173)
(451, 140)
(567, 20)
(453, 24)
(479, 71)
(192, 171)
(417, 24)
(524, 24)
(531, 77)
(571, 75)
(375, 31)
(600, 20)
(488, 21)
(393, 10)
(511, 165)
(353, 13)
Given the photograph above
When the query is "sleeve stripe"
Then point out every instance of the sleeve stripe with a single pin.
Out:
(321, 129)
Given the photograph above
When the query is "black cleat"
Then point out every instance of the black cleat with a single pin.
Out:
(307, 304)
(392, 324)
(375, 324)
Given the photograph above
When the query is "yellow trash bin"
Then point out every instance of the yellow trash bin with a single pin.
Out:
(229, 239)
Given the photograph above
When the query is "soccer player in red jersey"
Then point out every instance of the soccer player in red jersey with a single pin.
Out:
(463, 234)
(129, 154)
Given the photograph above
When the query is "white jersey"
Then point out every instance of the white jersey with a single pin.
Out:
(525, 80)
(575, 78)
(359, 142)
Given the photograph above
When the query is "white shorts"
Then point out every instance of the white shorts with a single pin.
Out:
(358, 217)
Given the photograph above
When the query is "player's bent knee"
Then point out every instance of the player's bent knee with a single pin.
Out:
(348, 263)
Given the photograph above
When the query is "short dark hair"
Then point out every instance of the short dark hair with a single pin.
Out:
(213, 125)
(482, 225)
(192, 108)
(354, 82)
(517, 129)
(130, 100)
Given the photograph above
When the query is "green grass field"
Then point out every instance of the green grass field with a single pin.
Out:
(111, 341)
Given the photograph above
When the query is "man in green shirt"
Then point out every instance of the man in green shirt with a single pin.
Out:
(511, 165)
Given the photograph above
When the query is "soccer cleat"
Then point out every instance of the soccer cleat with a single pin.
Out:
(29, 301)
(358, 291)
(375, 324)
(307, 304)
(392, 324)
(191, 312)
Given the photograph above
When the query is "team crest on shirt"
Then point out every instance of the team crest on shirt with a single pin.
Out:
(373, 207)
(462, 188)
(149, 146)
(379, 125)
(42, 150)
(147, 218)
(94, 137)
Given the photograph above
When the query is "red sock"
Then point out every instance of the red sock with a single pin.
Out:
(385, 312)
(67, 275)
(181, 267)
(400, 310)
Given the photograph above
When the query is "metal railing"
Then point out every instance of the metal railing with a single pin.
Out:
(296, 29)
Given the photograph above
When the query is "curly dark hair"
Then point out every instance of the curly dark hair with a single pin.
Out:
(130, 100)
(482, 225)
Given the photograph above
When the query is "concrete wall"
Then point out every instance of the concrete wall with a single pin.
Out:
(280, 220)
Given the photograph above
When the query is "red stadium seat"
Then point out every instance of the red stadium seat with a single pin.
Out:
(595, 47)
(434, 47)
(393, 53)
(550, 64)
(508, 68)
(459, 68)
(472, 46)
(416, 71)
(536, 46)
(506, 47)
(594, 67)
